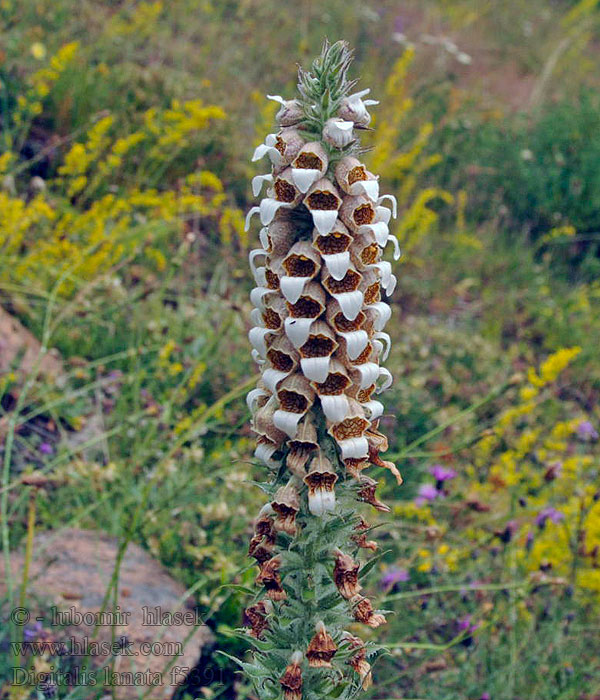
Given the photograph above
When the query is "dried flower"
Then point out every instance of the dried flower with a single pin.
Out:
(345, 575)
(359, 660)
(363, 612)
(255, 617)
(291, 681)
(321, 648)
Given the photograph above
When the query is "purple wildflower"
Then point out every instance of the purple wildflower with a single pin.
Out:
(485, 696)
(529, 540)
(586, 431)
(46, 448)
(441, 473)
(32, 632)
(427, 492)
(546, 514)
(392, 576)
(465, 624)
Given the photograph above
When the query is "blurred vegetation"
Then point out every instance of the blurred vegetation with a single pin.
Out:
(125, 135)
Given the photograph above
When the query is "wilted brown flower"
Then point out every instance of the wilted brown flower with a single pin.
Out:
(363, 612)
(291, 681)
(345, 575)
(270, 578)
(255, 617)
(359, 661)
(286, 504)
(321, 648)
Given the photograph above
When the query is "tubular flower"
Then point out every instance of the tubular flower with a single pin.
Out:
(318, 339)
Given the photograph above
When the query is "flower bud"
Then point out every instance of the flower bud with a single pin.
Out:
(338, 132)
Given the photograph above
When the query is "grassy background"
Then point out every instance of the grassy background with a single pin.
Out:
(126, 132)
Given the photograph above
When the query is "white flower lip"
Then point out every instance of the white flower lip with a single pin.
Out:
(350, 303)
(392, 200)
(263, 236)
(257, 252)
(257, 337)
(356, 342)
(268, 148)
(258, 294)
(379, 229)
(388, 344)
(268, 208)
(383, 214)
(369, 372)
(387, 383)
(370, 188)
(338, 132)
(298, 330)
(321, 501)
(374, 409)
(324, 220)
(264, 454)
(253, 397)
(256, 317)
(272, 377)
(383, 313)
(337, 264)
(315, 368)
(287, 422)
(354, 448)
(304, 177)
(335, 407)
(292, 287)
(258, 181)
(388, 280)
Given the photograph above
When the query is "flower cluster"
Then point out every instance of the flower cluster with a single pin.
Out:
(318, 340)
(108, 199)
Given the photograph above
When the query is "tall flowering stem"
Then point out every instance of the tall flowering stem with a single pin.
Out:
(318, 340)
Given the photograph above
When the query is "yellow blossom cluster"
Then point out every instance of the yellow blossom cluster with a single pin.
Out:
(551, 471)
(104, 204)
(403, 167)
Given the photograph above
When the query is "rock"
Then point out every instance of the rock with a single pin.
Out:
(16, 340)
(67, 583)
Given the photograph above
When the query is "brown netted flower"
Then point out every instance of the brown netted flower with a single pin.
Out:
(363, 612)
(321, 648)
(302, 447)
(345, 575)
(359, 660)
(263, 542)
(309, 165)
(286, 504)
(321, 480)
(291, 681)
(255, 617)
(260, 548)
(323, 202)
(270, 578)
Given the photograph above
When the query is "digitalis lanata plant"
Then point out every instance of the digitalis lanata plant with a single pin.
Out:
(318, 339)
